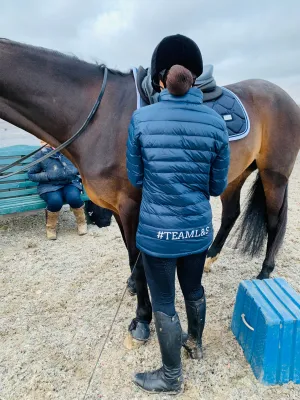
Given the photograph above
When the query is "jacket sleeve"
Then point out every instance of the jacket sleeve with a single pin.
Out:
(35, 173)
(219, 169)
(60, 175)
(134, 161)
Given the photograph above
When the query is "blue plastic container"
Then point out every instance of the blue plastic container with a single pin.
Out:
(266, 323)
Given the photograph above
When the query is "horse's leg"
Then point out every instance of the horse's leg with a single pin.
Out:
(230, 212)
(130, 283)
(276, 192)
(139, 328)
(118, 219)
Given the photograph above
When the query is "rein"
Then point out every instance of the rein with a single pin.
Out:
(109, 330)
(21, 159)
(61, 146)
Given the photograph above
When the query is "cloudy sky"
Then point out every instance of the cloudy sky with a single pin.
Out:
(243, 39)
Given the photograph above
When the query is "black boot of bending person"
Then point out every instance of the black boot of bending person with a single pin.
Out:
(168, 379)
(192, 341)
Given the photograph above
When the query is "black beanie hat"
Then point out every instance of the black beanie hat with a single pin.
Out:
(172, 50)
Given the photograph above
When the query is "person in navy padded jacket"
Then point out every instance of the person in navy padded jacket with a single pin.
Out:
(178, 154)
(58, 183)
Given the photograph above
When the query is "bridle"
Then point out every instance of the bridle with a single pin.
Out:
(61, 146)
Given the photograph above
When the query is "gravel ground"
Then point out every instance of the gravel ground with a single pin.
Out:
(58, 300)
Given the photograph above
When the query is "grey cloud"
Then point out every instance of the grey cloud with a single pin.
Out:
(255, 39)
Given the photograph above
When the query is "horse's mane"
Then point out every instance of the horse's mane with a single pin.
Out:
(68, 60)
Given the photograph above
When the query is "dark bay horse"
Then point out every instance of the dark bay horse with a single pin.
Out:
(50, 94)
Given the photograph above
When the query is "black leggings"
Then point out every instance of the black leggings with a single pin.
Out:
(160, 274)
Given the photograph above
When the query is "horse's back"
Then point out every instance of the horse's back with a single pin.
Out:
(260, 89)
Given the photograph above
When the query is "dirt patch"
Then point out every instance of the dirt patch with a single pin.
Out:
(58, 300)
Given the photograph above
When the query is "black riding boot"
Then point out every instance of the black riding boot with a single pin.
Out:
(192, 341)
(168, 379)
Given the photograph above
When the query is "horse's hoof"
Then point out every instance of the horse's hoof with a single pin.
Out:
(139, 333)
(209, 261)
(263, 275)
(131, 288)
(130, 291)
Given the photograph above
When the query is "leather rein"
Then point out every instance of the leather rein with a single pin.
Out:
(61, 146)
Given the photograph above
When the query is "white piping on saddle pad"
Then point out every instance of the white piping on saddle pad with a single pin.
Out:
(138, 96)
(231, 138)
(244, 134)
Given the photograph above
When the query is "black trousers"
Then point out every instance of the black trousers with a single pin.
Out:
(160, 274)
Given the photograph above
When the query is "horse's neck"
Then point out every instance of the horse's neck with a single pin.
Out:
(37, 96)
(50, 96)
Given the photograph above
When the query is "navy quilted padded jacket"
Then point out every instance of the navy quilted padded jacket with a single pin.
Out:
(178, 152)
(54, 173)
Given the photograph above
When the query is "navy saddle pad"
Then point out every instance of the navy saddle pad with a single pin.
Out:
(220, 99)
(231, 109)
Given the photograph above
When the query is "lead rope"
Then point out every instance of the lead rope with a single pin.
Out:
(109, 331)
(19, 161)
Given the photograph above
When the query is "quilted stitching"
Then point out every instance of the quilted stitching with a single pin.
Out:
(228, 104)
(178, 151)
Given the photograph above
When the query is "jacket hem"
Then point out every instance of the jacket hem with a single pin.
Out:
(172, 255)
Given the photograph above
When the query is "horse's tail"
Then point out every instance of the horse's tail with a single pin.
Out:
(252, 231)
